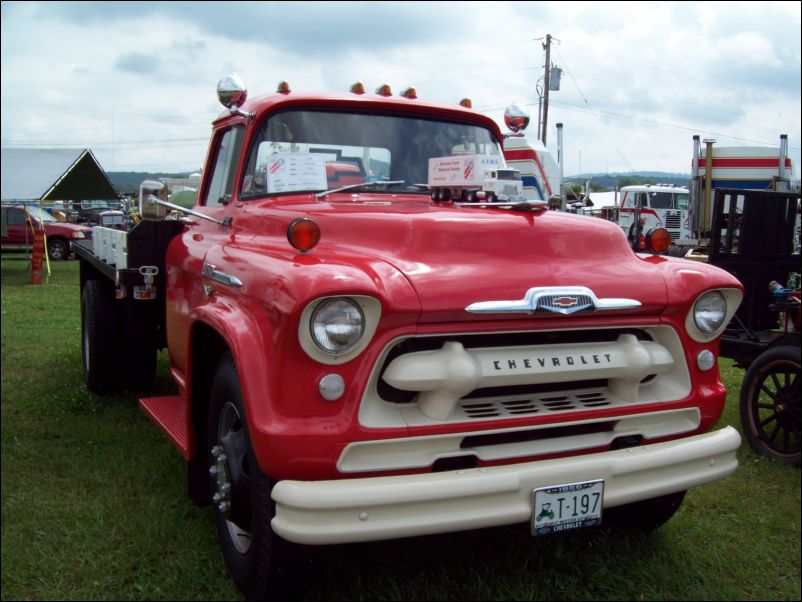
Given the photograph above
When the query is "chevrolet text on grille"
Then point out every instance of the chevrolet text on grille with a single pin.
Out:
(561, 300)
(446, 375)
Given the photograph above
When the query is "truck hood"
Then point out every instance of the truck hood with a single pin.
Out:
(455, 257)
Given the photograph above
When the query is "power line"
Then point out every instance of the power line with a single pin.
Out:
(601, 121)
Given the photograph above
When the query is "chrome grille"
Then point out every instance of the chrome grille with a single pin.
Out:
(543, 404)
(673, 224)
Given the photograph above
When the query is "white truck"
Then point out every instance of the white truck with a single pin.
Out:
(474, 178)
(659, 207)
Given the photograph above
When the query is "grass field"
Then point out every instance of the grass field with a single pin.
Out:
(94, 507)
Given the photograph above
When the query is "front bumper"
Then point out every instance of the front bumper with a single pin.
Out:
(378, 508)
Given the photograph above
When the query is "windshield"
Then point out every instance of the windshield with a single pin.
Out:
(508, 174)
(41, 215)
(315, 150)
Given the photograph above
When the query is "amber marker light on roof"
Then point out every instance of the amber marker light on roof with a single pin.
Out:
(384, 90)
(303, 234)
(466, 102)
(358, 88)
(283, 87)
(409, 92)
(658, 240)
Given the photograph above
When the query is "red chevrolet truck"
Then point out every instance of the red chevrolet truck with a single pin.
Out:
(359, 359)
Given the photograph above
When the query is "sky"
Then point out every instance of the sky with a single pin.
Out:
(136, 81)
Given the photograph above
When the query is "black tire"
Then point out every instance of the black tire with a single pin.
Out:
(58, 249)
(99, 343)
(645, 515)
(770, 404)
(256, 557)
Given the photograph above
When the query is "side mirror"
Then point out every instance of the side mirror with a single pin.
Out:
(516, 117)
(147, 209)
(232, 94)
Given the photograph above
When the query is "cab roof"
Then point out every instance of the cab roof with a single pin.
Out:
(362, 102)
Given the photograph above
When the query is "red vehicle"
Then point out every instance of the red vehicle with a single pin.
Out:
(19, 223)
(359, 362)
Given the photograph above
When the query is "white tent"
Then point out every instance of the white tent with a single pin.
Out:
(53, 174)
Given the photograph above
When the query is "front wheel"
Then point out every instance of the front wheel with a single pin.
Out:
(58, 249)
(255, 556)
(770, 404)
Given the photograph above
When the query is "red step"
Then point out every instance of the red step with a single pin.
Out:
(170, 415)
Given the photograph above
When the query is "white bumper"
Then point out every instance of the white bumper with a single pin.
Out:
(377, 508)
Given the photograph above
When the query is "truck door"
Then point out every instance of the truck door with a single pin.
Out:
(17, 231)
(185, 290)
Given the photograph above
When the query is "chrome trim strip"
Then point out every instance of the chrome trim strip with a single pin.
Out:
(532, 302)
(211, 271)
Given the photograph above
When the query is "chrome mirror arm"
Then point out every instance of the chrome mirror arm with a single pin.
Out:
(153, 200)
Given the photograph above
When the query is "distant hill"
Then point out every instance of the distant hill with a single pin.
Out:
(127, 182)
(608, 181)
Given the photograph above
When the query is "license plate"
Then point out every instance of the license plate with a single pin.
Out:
(566, 507)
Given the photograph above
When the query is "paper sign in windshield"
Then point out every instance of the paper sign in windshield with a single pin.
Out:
(288, 172)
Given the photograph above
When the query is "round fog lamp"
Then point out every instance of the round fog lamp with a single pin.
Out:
(705, 360)
(331, 387)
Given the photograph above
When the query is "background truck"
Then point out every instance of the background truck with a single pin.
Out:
(359, 361)
(733, 167)
(658, 206)
(21, 221)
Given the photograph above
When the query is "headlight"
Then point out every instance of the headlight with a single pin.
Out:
(709, 312)
(78, 234)
(337, 325)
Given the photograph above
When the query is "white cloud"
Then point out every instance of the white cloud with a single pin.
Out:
(135, 81)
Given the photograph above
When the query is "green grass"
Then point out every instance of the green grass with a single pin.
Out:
(94, 507)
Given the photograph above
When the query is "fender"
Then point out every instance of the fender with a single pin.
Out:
(249, 338)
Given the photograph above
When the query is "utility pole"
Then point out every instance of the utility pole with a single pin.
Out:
(547, 46)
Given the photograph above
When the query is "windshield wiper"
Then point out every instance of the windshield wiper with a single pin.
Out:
(320, 195)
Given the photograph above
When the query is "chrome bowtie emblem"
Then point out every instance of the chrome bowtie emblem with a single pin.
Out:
(558, 299)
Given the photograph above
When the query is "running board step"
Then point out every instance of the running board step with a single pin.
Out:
(170, 415)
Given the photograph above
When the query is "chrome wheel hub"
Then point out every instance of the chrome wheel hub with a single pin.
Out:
(221, 495)
(230, 479)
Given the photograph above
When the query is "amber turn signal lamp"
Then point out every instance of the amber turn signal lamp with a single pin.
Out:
(303, 234)
(384, 90)
(358, 88)
(466, 102)
(410, 93)
(658, 240)
(283, 87)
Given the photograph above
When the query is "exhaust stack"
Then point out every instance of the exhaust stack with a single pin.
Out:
(560, 163)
